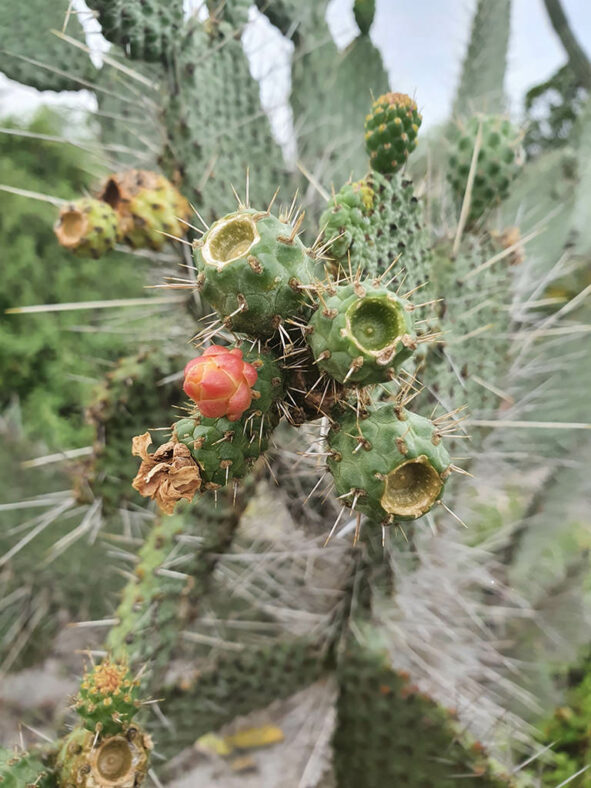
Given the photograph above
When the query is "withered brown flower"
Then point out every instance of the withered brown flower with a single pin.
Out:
(166, 476)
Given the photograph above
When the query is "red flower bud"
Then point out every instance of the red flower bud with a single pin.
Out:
(220, 382)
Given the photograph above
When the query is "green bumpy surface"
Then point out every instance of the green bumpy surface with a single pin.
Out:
(235, 685)
(99, 235)
(26, 33)
(368, 331)
(364, 453)
(23, 770)
(127, 395)
(389, 734)
(391, 131)
(250, 269)
(227, 450)
(146, 29)
(500, 159)
(378, 220)
(474, 353)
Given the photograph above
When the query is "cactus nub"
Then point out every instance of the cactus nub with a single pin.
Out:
(391, 130)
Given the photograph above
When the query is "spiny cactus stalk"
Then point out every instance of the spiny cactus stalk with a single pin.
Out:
(20, 769)
(391, 131)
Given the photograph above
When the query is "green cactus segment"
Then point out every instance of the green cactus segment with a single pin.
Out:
(499, 161)
(483, 72)
(20, 769)
(91, 760)
(470, 366)
(150, 600)
(374, 222)
(87, 227)
(26, 36)
(236, 685)
(108, 697)
(388, 733)
(226, 450)
(251, 266)
(117, 412)
(391, 131)
(364, 11)
(390, 465)
(213, 103)
(146, 29)
(362, 333)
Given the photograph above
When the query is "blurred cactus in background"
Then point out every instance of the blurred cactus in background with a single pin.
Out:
(400, 355)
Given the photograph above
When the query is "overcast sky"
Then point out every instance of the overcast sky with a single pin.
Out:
(422, 43)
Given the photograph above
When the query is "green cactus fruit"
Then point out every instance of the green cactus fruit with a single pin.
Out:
(252, 270)
(108, 697)
(92, 760)
(364, 11)
(362, 332)
(226, 450)
(500, 159)
(20, 769)
(373, 222)
(146, 29)
(389, 464)
(389, 733)
(391, 131)
(148, 206)
(87, 227)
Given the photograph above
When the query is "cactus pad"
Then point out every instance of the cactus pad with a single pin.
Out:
(375, 221)
(251, 266)
(87, 227)
(391, 130)
(500, 159)
(146, 29)
(89, 760)
(362, 333)
(390, 465)
(22, 770)
(148, 205)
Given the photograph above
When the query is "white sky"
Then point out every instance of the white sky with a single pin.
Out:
(422, 43)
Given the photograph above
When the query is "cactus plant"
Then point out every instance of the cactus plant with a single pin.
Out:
(377, 443)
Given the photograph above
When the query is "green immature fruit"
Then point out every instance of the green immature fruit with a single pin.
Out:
(226, 450)
(108, 697)
(500, 158)
(362, 333)
(253, 270)
(391, 465)
(87, 227)
(370, 224)
(91, 760)
(391, 130)
(22, 770)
